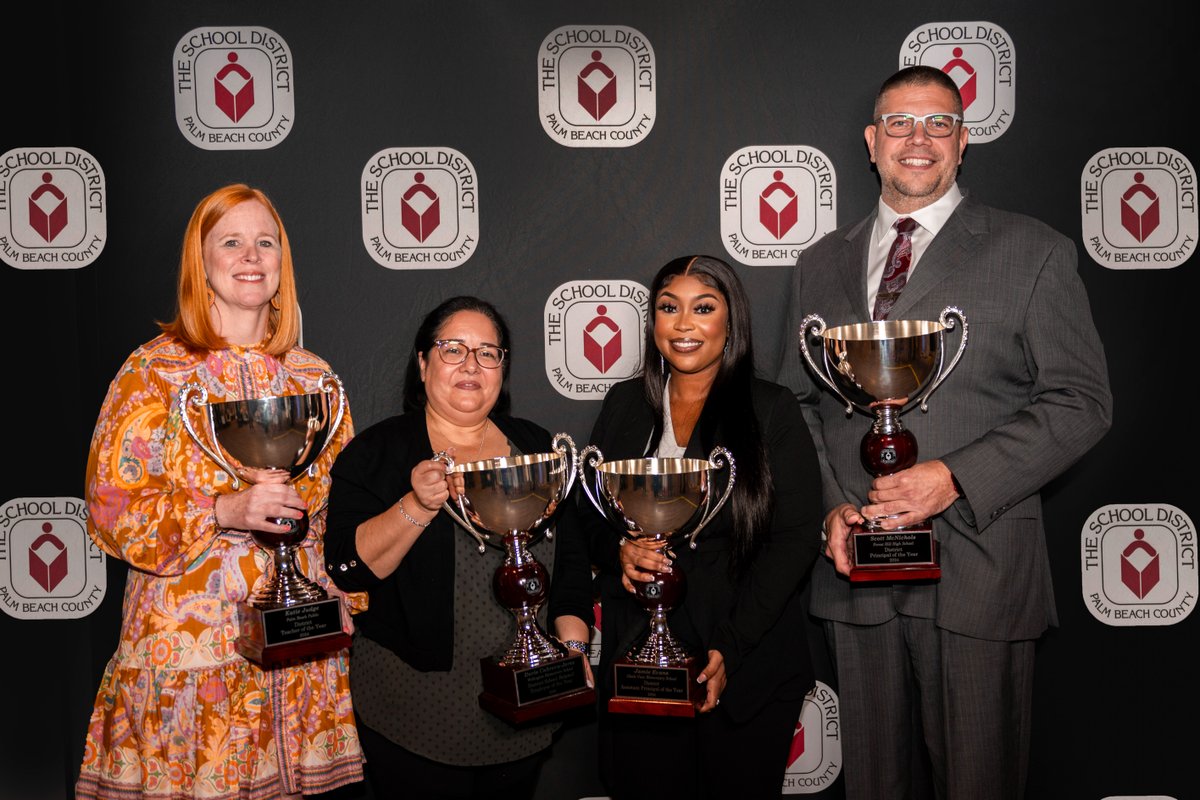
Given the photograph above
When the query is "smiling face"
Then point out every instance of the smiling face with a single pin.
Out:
(916, 170)
(691, 321)
(462, 393)
(242, 260)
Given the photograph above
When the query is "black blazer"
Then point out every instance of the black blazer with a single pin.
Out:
(411, 611)
(757, 622)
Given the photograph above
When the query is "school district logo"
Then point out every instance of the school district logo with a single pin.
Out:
(594, 332)
(981, 59)
(420, 208)
(52, 208)
(1139, 208)
(596, 86)
(815, 758)
(776, 201)
(234, 88)
(1139, 565)
(49, 566)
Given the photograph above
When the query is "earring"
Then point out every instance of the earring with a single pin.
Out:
(662, 364)
(275, 301)
(212, 296)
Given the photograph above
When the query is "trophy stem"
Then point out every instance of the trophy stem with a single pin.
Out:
(887, 420)
(520, 584)
(888, 447)
(286, 585)
(530, 646)
(658, 596)
(660, 647)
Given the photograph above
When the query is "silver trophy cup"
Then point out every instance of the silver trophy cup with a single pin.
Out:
(657, 501)
(286, 433)
(508, 503)
(883, 369)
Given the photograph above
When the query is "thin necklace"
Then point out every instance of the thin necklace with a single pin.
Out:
(482, 439)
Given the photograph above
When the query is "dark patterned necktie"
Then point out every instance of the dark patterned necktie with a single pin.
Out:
(895, 270)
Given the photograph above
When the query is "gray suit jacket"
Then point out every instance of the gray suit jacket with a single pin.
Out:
(1029, 397)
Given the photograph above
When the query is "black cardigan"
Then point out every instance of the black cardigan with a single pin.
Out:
(411, 611)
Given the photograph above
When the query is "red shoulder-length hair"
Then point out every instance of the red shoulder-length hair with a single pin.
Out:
(192, 324)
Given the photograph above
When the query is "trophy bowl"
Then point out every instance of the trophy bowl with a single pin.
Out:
(247, 439)
(509, 503)
(882, 369)
(286, 433)
(656, 501)
(887, 362)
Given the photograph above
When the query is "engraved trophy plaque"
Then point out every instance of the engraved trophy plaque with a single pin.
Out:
(287, 616)
(882, 369)
(508, 503)
(657, 501)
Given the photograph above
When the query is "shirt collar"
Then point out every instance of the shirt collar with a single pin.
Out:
(932, 217)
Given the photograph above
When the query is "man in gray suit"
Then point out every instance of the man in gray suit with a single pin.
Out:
(1029, 397)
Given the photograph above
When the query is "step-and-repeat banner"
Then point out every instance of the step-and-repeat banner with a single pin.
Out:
(550, 157)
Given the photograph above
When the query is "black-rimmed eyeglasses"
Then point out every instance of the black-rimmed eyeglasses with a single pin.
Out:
(939, 126)
(452, 351)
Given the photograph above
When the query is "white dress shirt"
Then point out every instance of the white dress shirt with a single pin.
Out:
(930, 220)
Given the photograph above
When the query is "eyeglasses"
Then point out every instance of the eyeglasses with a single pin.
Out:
(452, 351)
(939, 126)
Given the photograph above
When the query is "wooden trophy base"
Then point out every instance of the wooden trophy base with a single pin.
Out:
(657, 691)
(271, 636)
(907, 554)
(520, 694)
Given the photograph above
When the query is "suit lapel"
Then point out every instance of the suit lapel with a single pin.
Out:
(950, 252)
(853, 269)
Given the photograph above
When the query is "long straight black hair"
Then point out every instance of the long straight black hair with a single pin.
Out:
(729, 406)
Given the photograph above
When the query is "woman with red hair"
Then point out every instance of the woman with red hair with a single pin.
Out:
(179, 712)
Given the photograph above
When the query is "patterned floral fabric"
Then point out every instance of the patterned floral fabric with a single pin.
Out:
(179, 712)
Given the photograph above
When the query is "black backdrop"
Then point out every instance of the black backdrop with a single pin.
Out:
(1115, 706)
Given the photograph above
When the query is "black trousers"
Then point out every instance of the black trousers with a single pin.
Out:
(394, 772)
(706, 757)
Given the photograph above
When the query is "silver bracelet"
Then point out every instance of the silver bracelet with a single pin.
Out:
(577, 645)
(400, 504)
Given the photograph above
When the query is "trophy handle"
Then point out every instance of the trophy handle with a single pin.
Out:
(948, 324)
(818, 330)
(564, 445)
(591, 456)
(193, 394)
(329, 384)
(718, 458)
(460, 514)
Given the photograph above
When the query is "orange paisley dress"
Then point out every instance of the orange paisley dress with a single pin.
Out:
(179, 713)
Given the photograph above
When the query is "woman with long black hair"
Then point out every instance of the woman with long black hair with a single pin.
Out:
(742, 613)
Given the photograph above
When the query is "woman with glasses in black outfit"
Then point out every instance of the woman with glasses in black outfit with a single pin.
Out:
(414, 668)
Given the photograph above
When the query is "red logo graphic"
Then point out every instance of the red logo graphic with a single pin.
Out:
(797, 748)
(1139, 223)
(420, 209)
(48, 217)
(602, 341)
(47, 559)
(597, 95)
(233, 88)
(778, 220)
(1140, 579)
(967, 87)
